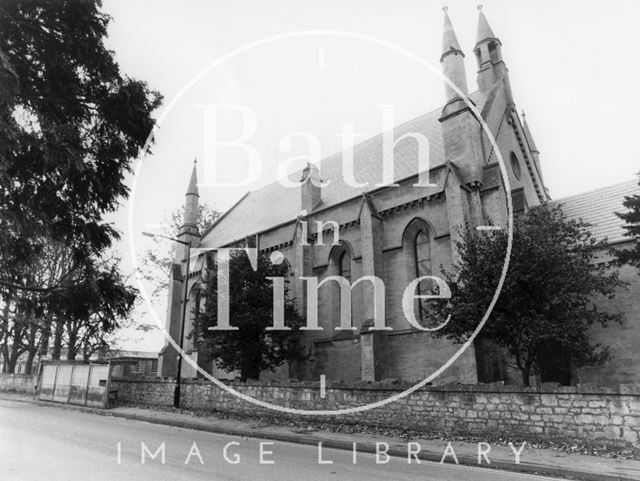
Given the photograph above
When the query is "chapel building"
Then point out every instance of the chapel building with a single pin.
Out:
(396, 233)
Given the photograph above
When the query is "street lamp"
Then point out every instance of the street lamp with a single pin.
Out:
(176, 392)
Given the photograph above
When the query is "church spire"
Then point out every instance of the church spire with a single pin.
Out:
(449, 39)
(191, 206)
(189, 228)
(193, 183)
(452, 60)
(484, 29)
(491, 67)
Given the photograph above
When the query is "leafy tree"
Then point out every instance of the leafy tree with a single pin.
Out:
(99, 299)
(632, 226)
(157, 258)
(81, 317)
(251, 349)
(70, 124)
(27, 322)
(156, 262)
(546, 305)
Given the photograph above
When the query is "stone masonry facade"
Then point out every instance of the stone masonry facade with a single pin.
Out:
(372, 228)
(400, 233)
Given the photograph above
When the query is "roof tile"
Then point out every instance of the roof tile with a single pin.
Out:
(275, 204)
(598, 208)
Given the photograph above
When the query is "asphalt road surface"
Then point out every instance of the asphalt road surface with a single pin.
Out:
(44, 443)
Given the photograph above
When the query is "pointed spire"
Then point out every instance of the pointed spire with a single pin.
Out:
(193, 183)
(192, 201)
(488, 50)
(484, 29)
(452, 61)
(449, 39)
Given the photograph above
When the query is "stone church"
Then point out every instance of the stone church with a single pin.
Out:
(398, 233)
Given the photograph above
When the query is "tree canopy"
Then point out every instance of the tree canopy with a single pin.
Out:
(71, 123)
(547, 303)
(157, 258)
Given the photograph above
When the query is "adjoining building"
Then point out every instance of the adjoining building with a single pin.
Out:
(133, 363)
(130, 363)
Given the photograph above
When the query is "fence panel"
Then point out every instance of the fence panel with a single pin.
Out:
(63, 383)
(79, 383)
(47, 382)
(98, 381)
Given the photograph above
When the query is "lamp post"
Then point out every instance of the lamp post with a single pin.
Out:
(176, 392)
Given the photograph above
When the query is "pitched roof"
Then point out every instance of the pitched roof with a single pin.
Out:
(598, 208)
(275, 204)
(121, 353)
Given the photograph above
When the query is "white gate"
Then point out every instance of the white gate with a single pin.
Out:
(73, 382)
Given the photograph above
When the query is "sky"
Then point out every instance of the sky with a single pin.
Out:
(573, 68)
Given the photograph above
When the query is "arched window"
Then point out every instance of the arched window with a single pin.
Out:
(422, 257)
(332, 303)
(493, 52)
(345, 266)
(515, 166)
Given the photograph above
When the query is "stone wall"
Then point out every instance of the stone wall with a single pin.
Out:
(21, 383)
(596, 416)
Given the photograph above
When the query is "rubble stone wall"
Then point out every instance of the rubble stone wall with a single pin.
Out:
(598, 416)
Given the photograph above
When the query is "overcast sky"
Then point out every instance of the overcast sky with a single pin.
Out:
(573, 67)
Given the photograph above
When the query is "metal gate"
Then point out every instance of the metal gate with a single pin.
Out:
(73, 382)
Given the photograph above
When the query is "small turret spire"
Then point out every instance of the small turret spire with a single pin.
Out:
(488, 50)
(191, 204)
(450, 42)
(452, 61)
(193, 183)
(484, 29)
(189, 229)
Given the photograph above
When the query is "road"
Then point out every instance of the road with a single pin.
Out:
(46, 443)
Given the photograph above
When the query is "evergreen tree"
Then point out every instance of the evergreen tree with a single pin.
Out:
(70, 124)
(632, 226)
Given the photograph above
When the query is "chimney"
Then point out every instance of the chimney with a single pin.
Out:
(310, 188)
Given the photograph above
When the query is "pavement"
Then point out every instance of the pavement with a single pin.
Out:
(533, 461)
